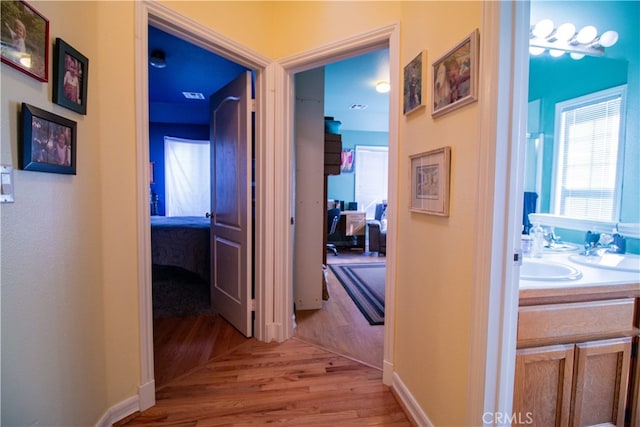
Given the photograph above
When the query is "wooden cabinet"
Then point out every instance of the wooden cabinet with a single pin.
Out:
(574, 364)
(573, 385)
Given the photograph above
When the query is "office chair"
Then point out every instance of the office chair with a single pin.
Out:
(333, 216)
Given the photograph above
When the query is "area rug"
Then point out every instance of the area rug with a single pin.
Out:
(364, 282)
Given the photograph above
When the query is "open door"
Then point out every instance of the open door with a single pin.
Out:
(231, 278)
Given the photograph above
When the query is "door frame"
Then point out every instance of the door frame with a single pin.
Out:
(148, 12)
(384, 37)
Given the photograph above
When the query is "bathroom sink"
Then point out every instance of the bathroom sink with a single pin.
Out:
(548, 271)
(619, 262)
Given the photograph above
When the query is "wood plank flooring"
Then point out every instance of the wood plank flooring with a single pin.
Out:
(207, 373)
(339, 326)
(291, 383)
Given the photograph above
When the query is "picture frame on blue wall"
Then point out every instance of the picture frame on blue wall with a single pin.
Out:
(430, 181)
(24, 39)
(48, 142)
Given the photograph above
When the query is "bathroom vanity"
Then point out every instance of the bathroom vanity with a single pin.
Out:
(577, 345)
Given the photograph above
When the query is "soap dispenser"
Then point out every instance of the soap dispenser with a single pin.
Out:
(537, 237)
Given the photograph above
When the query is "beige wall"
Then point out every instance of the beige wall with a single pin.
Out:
(53, 305)
(70, 332)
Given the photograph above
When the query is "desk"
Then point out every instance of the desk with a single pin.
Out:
(351, 230)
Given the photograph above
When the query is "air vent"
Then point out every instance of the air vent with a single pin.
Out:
(358, 106)
(193, 95)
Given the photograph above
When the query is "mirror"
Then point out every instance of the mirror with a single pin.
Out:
(557, 79)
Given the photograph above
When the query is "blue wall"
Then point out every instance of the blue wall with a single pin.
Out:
(342, 187)
(557, 79)
(157, 132)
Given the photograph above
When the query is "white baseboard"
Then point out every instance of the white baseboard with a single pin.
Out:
(119, 411)
(387, 373)
(147, 395)
(410, 404)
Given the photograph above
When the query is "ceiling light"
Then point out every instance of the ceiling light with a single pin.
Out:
(576, 56)
(157, 59)
(383, 87)
(556, 53)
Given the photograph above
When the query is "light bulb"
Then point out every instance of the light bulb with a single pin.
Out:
(577, 56)
(535, 50)
(587, 34)
(608, 38)
(565, 31)
(383, 87)
(543, 28)
(556, 53)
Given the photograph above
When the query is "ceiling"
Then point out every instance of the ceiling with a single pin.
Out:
(190, 68)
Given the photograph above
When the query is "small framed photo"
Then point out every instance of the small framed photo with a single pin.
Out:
(24, 39)
(48, 142)
(347, 158)
(414, 77)
(430, 175)
(70, 76)
(455, 77)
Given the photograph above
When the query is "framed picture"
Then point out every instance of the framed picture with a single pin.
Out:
(414, 76)
(347, 158)
(48, 142)
(455, 77)
(25, 39)
(70, 76)
(430, 174)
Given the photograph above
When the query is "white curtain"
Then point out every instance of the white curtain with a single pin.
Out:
(371, 166)
(187, 177)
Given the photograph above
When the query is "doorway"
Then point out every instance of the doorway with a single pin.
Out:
(346, 89)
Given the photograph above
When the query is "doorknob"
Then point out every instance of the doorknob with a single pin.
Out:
(208, 215)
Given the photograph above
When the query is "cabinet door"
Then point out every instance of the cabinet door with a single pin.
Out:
(601, 381)
(542, 388)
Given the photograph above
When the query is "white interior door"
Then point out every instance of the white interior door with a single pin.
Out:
(231, 223)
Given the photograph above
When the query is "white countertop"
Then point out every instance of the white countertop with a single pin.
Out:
(591, 276)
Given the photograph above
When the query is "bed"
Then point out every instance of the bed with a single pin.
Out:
(181, 241)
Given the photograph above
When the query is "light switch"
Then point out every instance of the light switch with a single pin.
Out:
(6, 184)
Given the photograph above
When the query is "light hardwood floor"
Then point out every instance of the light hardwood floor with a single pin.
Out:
(339, 326)
(291, 383)
(207, 373)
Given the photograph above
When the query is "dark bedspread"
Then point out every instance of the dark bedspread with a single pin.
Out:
(181, 242)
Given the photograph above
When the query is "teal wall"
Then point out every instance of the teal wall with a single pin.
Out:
(342, 187)
(557, 79)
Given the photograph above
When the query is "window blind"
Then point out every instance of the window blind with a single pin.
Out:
(588, 157)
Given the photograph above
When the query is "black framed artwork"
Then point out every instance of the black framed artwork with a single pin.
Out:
(48, 141)
(70, 76)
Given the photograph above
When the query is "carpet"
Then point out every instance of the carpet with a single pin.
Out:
(178, 293)
(364, 282)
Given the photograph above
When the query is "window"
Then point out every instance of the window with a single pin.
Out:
(187, 177)
(588, 160)
(371, 166)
